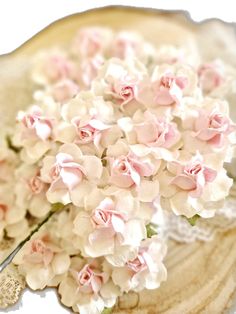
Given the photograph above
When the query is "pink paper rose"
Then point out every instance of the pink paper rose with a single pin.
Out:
(156, 132)
(64, 90)
(66, 173)
(90, 280)
(36, 185)
(193, 176)
(71, 175)
(125, 89)
(89, 70)
(91, 41)
(213, 127)
(169, 89)
(89, 131)
(146, 270)
(127, 171)
(107, 231)
(36, 124)
(58, 67)
(87, 288)
(125, 45)
(40, 252)
(30, 191)
(210, 76)
(102, 226)
(105, 216)
(138, 264)
(41, 260)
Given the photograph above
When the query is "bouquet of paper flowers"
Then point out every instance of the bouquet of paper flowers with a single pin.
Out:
(119, 133)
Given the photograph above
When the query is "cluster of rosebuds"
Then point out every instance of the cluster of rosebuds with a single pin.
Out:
(119, 133)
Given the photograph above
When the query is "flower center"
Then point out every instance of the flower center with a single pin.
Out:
(85, 134)
(194, 170)
(216, 121)
(122, 167)
(84, 278)
(126, 92)
(55, 171)
(166, 81)
(137, 264)
(100, 218)
(36, 185)
(29, 120)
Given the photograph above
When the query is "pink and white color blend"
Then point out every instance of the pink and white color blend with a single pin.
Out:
(120, 133)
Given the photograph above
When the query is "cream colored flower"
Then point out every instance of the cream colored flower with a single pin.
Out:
(87, 288)
(146, 270)
(191, 188)
(71, 175)
(110, 230)
(50, 67)
(30, 191)
(41, 260)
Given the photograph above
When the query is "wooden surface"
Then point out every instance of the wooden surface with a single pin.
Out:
(201, 276)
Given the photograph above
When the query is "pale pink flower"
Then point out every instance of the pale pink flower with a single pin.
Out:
(71, 175)
(58, 67)
(36, 185)
(108, 231)
(87, 288)
(191, 188)
(87, 105)
(120, 81)
(89, 279)
(213, 127)
(211, 76)
(139, 263)
(52, 66)
(124, 90)
(36, 124)
(105, 216)
(89, 70)
(40, 252)
(41, 261)
(64, 90)
(91, 41)
(169, 88)
(128, 170)
(193, 176)
(102, 226)
(89, 131)
(66, 173)
(30, 191)
(126, 45)
(156, 132)
(146, 270)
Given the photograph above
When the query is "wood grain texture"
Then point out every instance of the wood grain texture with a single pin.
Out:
(201, 276)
